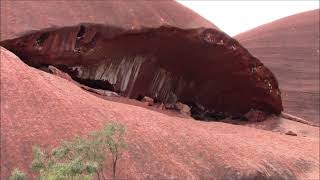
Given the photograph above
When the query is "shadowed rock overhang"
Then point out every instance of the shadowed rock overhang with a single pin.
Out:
(201, 67)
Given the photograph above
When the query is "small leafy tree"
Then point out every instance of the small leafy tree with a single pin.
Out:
(112, 138)
(17, 175)
(82, 157)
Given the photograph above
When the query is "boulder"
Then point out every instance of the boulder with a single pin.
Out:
(147, 100)
(291, 133)
(169, 106)
(183, 108)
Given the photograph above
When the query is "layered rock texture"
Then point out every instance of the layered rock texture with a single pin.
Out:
(38, 108)
(170, 60)
(290, 48)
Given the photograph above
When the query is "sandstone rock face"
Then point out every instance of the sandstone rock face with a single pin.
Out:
(290, 48)
(174, 59)
(169, 64)
(38, 108)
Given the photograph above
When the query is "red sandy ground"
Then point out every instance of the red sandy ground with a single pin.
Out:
(38, 108)
(289, 47)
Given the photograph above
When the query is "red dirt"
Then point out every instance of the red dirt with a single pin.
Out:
(40, 108)
(290, 48)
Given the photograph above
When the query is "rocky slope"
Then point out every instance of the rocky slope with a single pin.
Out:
(290, 48)
(40, 108)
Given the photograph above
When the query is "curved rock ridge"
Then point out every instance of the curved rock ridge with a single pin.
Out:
(19, 17)
(200, 67)
(289, 47)
(38, 108)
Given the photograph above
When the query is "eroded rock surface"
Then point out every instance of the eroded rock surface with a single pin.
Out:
(159, 49)
(169, 64)
(200, 66)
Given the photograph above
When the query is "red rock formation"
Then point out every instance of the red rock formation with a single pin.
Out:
(290, 48)
(199, 67)
(19, 17)
(38, 108)
(196, 66)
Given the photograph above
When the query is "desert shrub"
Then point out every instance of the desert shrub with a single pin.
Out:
(17, 175)
(59, 164)
(112, 138)
(81, 157)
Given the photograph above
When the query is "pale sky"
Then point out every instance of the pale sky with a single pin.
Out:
(234, 17)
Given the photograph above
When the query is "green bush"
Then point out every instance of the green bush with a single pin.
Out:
(82, 157)
(17, 175)
(112, 138)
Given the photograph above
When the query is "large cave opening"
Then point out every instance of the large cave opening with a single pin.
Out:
(203, 68)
